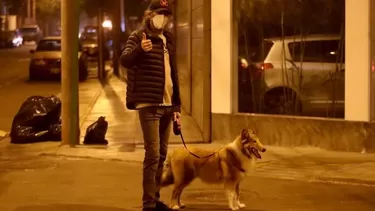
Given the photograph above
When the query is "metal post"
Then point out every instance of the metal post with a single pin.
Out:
(116, 37)
(1, 13)
(28, 10)
(122, 15)
(33, 7)
(100, 44)
(1, 20)
(69, 73)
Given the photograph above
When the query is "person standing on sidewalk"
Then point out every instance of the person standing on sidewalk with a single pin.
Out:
(153, 90)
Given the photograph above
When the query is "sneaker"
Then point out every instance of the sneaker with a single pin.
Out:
(160, 206)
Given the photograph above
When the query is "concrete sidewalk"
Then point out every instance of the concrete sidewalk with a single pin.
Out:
(307, 164)
(123, 124)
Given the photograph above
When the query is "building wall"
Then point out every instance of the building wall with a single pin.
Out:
(193, 37)
(183, 44)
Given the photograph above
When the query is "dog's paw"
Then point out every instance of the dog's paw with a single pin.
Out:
(182, 205)
(234, 208)
(175, 207)
(240, 205)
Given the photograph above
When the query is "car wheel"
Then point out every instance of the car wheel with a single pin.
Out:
(83, 71)
(32, 76)
(83, 75)
(282, 103)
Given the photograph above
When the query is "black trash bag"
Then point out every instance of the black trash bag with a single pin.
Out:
(95, 133)
(27, 134)
(55, 132)
(34, 119)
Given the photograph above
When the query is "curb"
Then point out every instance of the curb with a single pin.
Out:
(59, 155)
(343, 180)
(90, 107)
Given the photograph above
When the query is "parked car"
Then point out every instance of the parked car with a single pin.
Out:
(10, 39)
(31, 33)
(304, 75)
(89, 42)
(46, 60)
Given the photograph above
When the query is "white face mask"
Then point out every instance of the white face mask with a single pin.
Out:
(159, 21)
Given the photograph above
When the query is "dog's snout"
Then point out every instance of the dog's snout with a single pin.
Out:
(264, 149)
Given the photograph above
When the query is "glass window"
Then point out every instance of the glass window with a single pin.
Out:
(49, 45)
(317, 51)
(266, 29)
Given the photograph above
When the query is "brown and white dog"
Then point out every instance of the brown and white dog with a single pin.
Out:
(227, 166)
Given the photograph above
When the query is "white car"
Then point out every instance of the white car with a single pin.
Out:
(31, 33)
(303, 75)
(46, 60)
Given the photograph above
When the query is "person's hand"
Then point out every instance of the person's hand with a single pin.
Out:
(146, 44)
(176, 116)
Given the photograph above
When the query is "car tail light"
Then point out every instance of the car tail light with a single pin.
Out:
(265, 66)
(257, 72)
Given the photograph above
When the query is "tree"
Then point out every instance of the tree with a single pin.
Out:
(91, 6)
(15, 6)
(48, 8)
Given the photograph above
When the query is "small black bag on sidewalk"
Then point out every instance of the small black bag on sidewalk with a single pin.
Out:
(35, 118)
(95, 133)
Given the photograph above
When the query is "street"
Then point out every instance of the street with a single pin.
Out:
(14, 84)
(38, 183)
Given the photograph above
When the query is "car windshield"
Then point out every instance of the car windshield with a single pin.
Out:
(49, 45)
(52, 45)
(28, 30)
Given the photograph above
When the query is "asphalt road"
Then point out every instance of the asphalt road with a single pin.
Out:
(14, 84)
(46, 184)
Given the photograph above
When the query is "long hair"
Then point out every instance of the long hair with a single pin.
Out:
(147, 15)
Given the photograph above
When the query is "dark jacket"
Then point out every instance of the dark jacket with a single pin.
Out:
(145, 70)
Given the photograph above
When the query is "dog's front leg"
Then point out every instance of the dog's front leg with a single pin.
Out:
(231, 195)
(240, 205)
(229, 186)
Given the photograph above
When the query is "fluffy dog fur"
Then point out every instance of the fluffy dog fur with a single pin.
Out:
(227, 166)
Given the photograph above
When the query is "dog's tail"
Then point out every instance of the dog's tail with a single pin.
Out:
(167, 178)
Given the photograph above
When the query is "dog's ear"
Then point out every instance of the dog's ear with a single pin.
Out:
(245, 134)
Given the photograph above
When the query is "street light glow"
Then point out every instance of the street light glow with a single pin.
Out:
(107, 24)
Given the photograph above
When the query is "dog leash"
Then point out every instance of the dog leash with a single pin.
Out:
(177, 131)
(193, 154)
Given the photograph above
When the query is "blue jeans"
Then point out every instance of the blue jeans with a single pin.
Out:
(156, 126)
